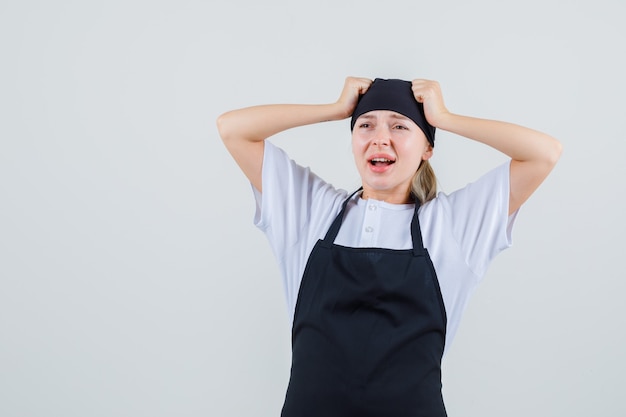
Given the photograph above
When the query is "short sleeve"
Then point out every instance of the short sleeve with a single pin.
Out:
(294, 210)
(290, 194)
(480, 221)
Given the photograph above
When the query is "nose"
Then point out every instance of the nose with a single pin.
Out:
(381, 136)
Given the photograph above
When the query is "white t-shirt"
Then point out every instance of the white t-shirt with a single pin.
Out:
(462, 231)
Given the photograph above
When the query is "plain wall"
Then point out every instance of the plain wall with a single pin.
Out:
(132, 280)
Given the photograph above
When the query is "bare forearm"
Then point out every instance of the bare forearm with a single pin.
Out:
(243, 131)
(517, 142)
(257, 123)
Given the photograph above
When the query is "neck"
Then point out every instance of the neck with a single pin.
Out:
(391, 197)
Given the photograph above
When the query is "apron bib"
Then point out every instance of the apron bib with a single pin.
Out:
(368, 332)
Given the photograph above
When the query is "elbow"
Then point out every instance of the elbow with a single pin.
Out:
(554, 153)
(232, 127)
(547, 155)
(223, 126)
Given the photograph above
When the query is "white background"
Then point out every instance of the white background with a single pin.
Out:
(132, 281)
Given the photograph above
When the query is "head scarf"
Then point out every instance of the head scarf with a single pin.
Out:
(394, 95)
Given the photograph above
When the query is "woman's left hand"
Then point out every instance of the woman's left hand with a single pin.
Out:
(428, 93)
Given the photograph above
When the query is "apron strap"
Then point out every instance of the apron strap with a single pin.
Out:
(416, 232)
(329, 239)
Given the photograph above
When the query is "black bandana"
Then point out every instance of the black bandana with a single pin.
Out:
(394, 95)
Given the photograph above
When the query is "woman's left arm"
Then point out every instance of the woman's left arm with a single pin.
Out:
(533, 154)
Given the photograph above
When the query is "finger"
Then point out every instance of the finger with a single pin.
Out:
(363, 84)
(419, 94)
(423, 89)
(417, 86)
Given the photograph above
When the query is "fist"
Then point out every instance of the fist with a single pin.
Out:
(352, 89)
(429, 94)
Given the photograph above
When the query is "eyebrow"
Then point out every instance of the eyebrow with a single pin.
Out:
(394, 115)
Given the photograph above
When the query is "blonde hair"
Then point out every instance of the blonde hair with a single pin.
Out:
(424, 183)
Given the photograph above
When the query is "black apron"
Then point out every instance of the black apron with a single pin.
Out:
(368, 332)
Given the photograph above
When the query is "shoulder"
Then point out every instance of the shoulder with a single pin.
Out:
(474, 219)
(295, 201)
(490, 188)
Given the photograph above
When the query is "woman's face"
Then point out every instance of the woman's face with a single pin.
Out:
(388, 148)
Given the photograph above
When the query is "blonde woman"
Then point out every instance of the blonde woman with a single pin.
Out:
(376, 281)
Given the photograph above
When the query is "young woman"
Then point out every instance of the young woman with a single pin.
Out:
(376, 281)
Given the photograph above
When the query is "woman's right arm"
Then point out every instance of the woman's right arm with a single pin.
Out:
(243, 131)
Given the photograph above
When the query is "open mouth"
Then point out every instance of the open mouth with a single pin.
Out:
(379, 162)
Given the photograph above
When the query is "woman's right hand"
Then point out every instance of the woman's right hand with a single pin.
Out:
(352, 89)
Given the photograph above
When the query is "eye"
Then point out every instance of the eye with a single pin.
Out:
(401, 127)
(364, 125)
